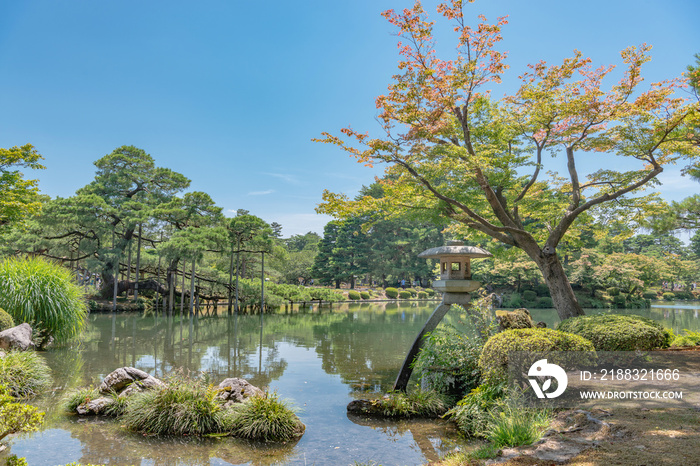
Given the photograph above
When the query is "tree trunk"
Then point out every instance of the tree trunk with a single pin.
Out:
(138, 266)
(554, 276)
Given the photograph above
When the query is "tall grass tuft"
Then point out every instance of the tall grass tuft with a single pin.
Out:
(264, 418)
(516, 425)
(184, 407)
(25, 373)
(43, 294)
(74, 398)
(422, 403)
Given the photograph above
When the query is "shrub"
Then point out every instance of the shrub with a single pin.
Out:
(542, 290)
(404, 294)
(683, 295)
(514, 301)
(612, 291)
(391, 293)
(422, 295)
(25, 373)
(430, 292)
(364, 295)
(529, 295)
(353, 295)
(413, 292)
(17, 417)
(611, 332)
(422, 403)
(6, 320)
(669, 296)
(264, 418)
(681, 341)
(449, 361)
(650, 295)
(43, 294)
(620, 301)
(545, 303)
(493, 360)
(183, 407)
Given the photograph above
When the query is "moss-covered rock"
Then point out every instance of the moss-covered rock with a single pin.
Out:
(517, 318)
(493, 360)
(611, 332)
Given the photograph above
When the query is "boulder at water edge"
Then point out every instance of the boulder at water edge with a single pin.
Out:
(235, 390)
(127, 380)
(19, 337)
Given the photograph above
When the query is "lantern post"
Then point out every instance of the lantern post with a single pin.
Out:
(455, 284)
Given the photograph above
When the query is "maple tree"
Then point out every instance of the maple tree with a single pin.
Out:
(454, 151)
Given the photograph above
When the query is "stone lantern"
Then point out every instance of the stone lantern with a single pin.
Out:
(455, 270)
(455, 284)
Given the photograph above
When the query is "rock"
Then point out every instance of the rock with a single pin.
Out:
(19, 337)
(2, 354)
(364, 407)
(518, 318)
(96, 406)
(235, 390)
(127, 380)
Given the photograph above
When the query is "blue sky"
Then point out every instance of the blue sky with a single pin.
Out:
(231, 92)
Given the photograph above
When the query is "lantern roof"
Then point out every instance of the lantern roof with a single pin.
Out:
(455, 248)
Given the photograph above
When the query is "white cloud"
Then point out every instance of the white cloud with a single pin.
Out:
(261, 193)
(299, 224)
(292, 179)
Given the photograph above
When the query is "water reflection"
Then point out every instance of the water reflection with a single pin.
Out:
(318, 358)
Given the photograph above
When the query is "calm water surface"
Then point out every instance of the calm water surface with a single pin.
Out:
(317, 359)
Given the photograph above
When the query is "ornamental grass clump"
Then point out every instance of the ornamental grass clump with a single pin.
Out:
(25, 373)
(43, 294)
(612, 332)
(183, 407)
(264, 418)
(416, 403)
(74, 398)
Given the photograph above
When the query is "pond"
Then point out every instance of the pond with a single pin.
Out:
(319, 359)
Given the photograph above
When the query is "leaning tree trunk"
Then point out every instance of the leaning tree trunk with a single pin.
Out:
(563, 297)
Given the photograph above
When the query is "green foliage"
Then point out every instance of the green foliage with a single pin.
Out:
(493, 360)
(391, 293)
(430, 292)
(415, 403)
(18, 197)
(74, 398)
(24, 373)
(669, 296)
(472, 412)
(183, 407)
(542, 290)
(365, 295)
(611, 332)
(324, 294)
(514, 301)
(6, 320)
(650, 295)
(682, 341)
(613, 291)
(545, 302)
(422, 295)
(43, 294)
(529, 296)
(17, 417)
(515, 425)
(354, 295)
(449, 361)
(265, 418)
(404, 294)
(14, 460)
(412, 292)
